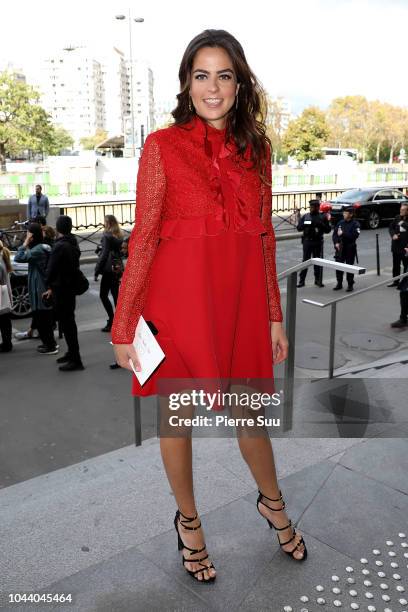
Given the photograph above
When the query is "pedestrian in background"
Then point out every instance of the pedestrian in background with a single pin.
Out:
(38, 205)
(110, 266)
(399, 241)
(49, 232)
(36, 253)
(5, 308)
(314, 225)
(62, 271)
(125, 253)
(345, 236)
(403, 287)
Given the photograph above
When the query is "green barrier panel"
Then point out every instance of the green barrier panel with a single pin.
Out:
(25, 191)
(29, 178)
(53, 190)
(124, 188)
(14, 179)
(75, 189)
(101, 188)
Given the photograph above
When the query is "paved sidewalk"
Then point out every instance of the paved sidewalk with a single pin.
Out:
(102, 529)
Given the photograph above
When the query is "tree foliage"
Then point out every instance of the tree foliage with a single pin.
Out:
(376, 129)
(90, 142)
(306, 135)
(24, 124)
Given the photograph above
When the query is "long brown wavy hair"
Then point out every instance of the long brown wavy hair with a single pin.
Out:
(245, 123)
(112, 226)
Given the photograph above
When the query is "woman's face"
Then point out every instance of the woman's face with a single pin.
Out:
(213, 85)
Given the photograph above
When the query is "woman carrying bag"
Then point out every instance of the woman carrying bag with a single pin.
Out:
(110, 266)
(201, 268)
(5, 299)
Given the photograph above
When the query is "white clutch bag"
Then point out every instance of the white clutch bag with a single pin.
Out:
(148, 350)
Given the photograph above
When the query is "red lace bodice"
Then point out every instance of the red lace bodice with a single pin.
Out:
(179, 194)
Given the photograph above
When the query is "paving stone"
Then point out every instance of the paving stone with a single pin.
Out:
(351, 509)
(126, 582)
(385, 460)
(284, 581)
(239, 543)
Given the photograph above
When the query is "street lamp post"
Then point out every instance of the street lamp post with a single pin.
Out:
(132, 113)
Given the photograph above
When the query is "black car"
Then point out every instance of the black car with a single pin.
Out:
(371, 205)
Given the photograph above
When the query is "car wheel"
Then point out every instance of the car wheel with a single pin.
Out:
(373, 220)
(21, 306)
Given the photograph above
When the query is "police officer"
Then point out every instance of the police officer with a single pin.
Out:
(345, 236)
(313, 225)
(399, 242)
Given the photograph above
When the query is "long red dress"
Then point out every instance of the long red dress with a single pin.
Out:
(207, 291)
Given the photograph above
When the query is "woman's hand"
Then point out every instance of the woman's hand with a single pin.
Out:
(28, 239)
(124, 352)
(280, 344)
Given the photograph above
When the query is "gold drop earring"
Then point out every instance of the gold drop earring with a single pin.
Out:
(190, 106)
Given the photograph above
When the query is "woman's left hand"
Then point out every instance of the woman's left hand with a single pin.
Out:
(280, 344)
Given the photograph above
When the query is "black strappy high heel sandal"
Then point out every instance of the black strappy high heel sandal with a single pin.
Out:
(193, 551)
(281, 544)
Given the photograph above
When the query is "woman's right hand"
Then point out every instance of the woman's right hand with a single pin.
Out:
(124, 352)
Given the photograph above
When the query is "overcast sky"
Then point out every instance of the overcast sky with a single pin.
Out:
(309, 51)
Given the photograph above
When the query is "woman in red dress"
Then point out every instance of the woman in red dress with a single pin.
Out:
(201, 267)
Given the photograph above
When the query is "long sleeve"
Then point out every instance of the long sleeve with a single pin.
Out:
(143, 242)
(103, 255)
(29, 208)
(269, 249)
(23, 255)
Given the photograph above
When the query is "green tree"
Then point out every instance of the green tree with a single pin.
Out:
(396, 127)
(57, 140)
(306, 135)
(347, 118)
(90, 142)
(24, 124)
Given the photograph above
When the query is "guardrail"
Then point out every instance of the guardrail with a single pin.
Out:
(291, 300)
(333, 313)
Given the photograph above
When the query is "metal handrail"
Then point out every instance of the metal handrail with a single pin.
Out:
(291, 299)
(333, 313)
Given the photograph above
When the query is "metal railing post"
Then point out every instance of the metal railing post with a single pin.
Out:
(291, 298)
(333, 313)
(138, 421)
(377, 250)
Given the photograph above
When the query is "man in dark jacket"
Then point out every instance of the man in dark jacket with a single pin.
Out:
(313, 225)
(61, 271)
(345, 236)
(399, 242)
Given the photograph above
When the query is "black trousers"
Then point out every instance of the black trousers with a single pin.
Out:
(347, 255)
(65, 307)
(404, 305)
(311, 249)
(109, 283)
(5, 329)
(43, 321)
(397, 260)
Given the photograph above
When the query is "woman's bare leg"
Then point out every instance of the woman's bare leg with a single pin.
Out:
(258, 454)
(177, 458)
